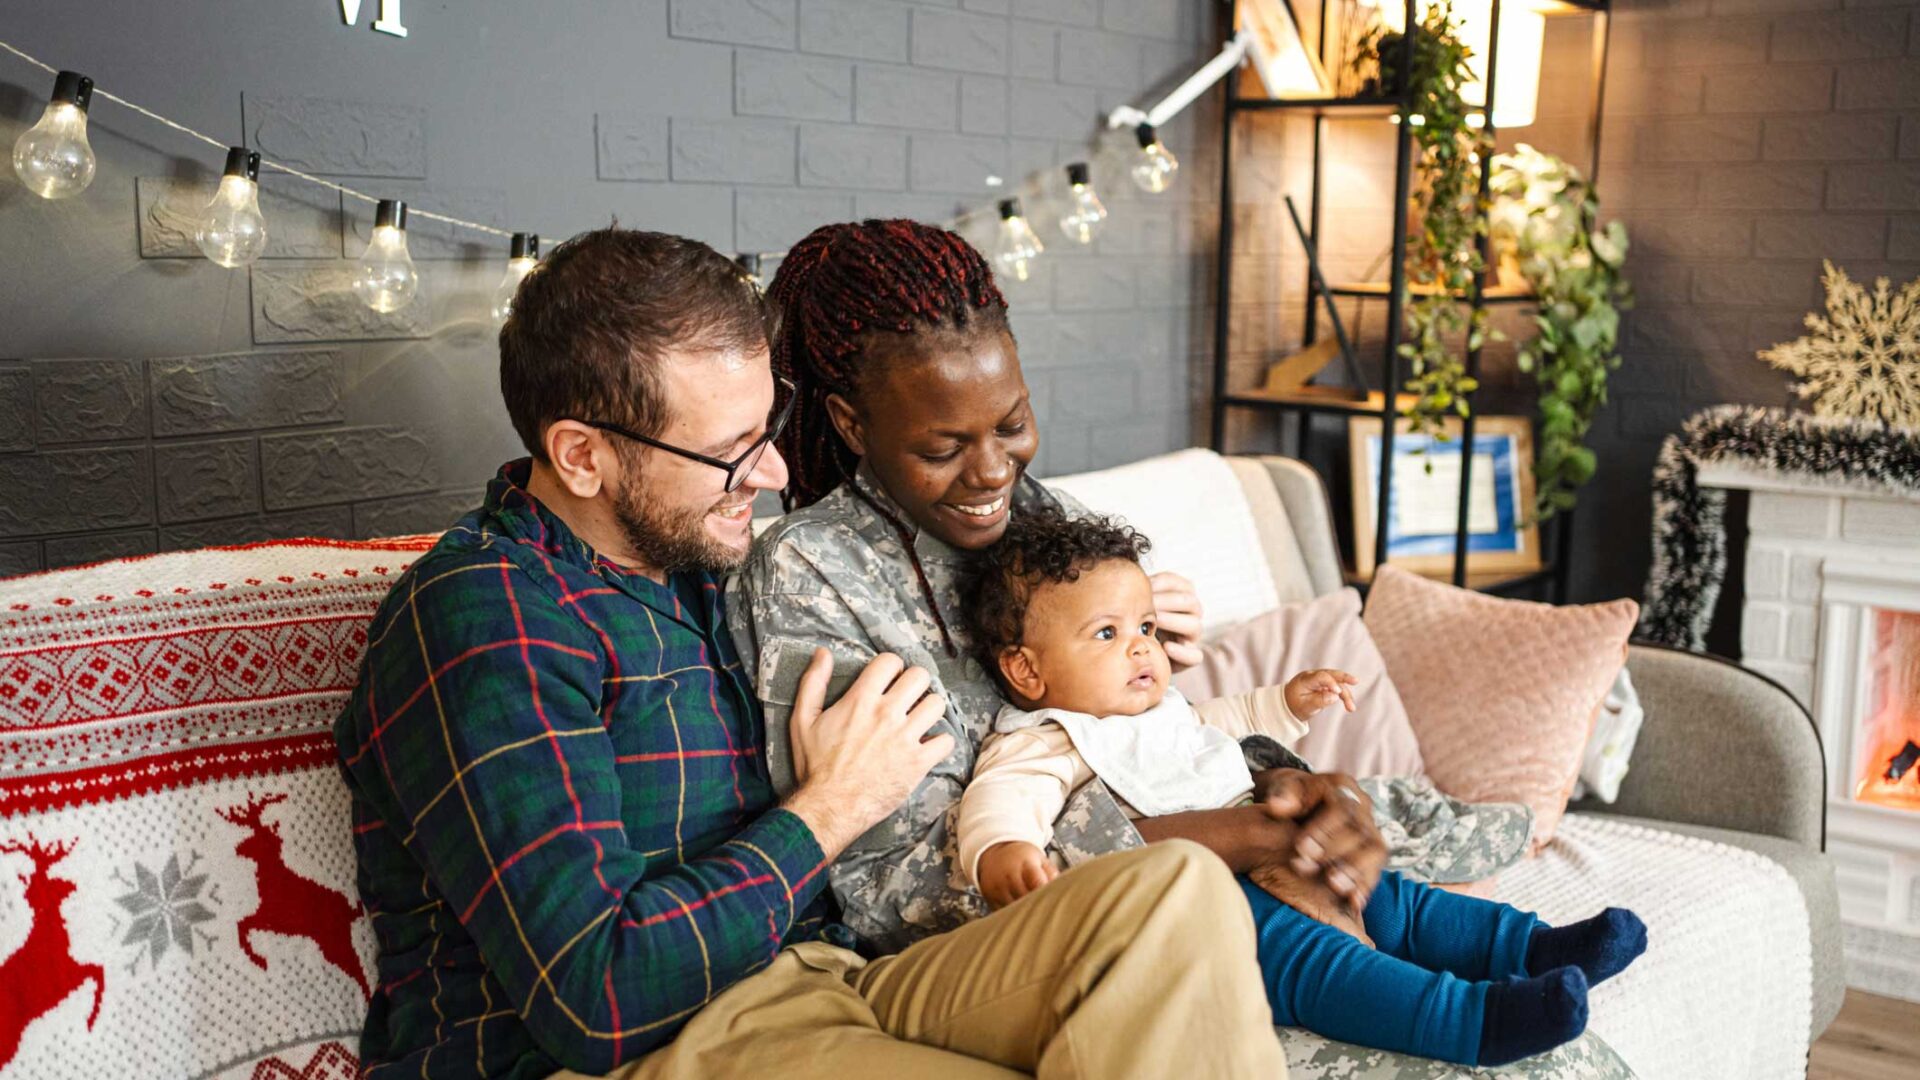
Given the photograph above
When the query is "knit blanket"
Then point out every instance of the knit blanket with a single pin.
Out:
(1689, 529)
(1725, 988)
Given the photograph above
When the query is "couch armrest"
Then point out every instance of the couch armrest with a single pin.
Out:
(1722, 746)
(1310, 516)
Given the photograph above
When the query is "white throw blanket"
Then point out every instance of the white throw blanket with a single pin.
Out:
(1725, 987)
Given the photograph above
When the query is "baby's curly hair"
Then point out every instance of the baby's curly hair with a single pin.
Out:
(1039, 548)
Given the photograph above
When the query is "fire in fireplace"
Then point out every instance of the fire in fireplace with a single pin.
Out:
(1890, 769)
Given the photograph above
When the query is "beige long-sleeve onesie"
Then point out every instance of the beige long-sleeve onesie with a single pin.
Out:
(1023, 778)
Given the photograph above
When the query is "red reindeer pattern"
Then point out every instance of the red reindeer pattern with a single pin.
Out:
(291, 904)
(42, 973)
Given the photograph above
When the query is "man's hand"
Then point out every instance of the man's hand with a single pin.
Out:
(1011, 870)
(1177, 608)
(1337, 839)
(1311, 898)
(1310, 691)
(859, 760)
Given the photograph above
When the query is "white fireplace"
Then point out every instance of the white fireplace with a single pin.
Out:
(1831, 610)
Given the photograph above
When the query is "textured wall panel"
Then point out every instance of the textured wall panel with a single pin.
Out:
(299, 303)
(348, 138)
(630, 146)
(195, 394)
(343, 465)
(770, 221)
(89, 400)
(738, 22)
(303, 220)
(734, 151)
(75, 491)
(427, 239)
(197, 480)
(16, 408)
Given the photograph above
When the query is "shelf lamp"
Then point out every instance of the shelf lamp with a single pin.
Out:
(1523, 31)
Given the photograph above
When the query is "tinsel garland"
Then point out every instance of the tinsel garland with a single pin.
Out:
(1689, 521)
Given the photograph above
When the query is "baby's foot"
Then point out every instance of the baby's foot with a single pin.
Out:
(1601, 947)
(1525, 1017)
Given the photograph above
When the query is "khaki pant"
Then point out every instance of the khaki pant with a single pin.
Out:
(1139, 964)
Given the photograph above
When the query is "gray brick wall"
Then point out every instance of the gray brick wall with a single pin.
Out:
(151, 401)
(1743, 143)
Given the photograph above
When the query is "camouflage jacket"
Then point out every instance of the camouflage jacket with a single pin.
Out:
(837, 574)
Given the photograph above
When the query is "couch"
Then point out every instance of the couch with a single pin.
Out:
(177, 881)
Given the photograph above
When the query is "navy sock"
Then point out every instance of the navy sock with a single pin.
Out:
(1525, 1017)
(1601, 947)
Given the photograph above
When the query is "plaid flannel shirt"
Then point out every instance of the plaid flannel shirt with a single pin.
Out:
(566, 835)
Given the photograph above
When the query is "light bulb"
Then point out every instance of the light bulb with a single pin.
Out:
(52, 157)
(1019, 245)
(232, 232)
(1154, 171)
(386, 279)
(523, 257)
(1084, 214)
(751, 265)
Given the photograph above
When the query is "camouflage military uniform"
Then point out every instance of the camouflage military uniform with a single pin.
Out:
(837, 574)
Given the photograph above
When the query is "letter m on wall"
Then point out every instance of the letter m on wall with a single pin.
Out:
(387, 23)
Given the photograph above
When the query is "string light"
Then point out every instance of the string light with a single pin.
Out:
(54, 160)
(1154, 171)
(1085, 214)
(1018, 245)
(231, 231)
(52, 157)
(386, 280)
(751, 264)
(522, 256)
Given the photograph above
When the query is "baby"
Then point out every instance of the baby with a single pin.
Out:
(1062, 612)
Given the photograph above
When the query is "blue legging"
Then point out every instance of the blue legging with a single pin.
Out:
(1422, 990)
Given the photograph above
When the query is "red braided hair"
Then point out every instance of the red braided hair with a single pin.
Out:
(842, 292)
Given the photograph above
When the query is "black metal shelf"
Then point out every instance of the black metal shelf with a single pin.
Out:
(1362, 102)
(1325, 401)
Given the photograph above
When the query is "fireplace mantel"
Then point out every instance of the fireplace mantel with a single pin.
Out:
(1748, 478)
(1823, 556)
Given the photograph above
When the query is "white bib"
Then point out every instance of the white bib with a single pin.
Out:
(1163, 761)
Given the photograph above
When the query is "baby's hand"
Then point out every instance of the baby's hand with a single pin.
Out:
(1311, 691)
(1011, 870)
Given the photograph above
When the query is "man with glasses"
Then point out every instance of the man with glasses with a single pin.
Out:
(567, 839)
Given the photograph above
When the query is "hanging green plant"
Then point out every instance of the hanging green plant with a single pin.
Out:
(1548, 215)
(1443, 254)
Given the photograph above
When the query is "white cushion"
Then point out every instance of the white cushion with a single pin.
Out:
(1192, 506)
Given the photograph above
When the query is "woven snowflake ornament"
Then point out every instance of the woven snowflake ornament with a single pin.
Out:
(1862, 359)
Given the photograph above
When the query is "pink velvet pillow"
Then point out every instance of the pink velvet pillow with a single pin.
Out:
(1502, 693)
(1373, 740)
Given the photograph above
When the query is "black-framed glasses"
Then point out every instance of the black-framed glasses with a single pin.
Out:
(739, 468)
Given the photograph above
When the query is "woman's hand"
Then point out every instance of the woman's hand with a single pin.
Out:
(1177, 608)
(1011, 870)
(1337, 840)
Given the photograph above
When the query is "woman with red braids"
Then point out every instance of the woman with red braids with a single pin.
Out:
(908, 448)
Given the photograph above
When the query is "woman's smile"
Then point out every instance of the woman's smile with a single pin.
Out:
(978, 513)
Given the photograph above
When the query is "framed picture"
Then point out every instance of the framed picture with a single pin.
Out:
(1423, 506)
(1288, 69)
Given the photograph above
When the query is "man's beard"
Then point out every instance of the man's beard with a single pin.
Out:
(672, 540)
